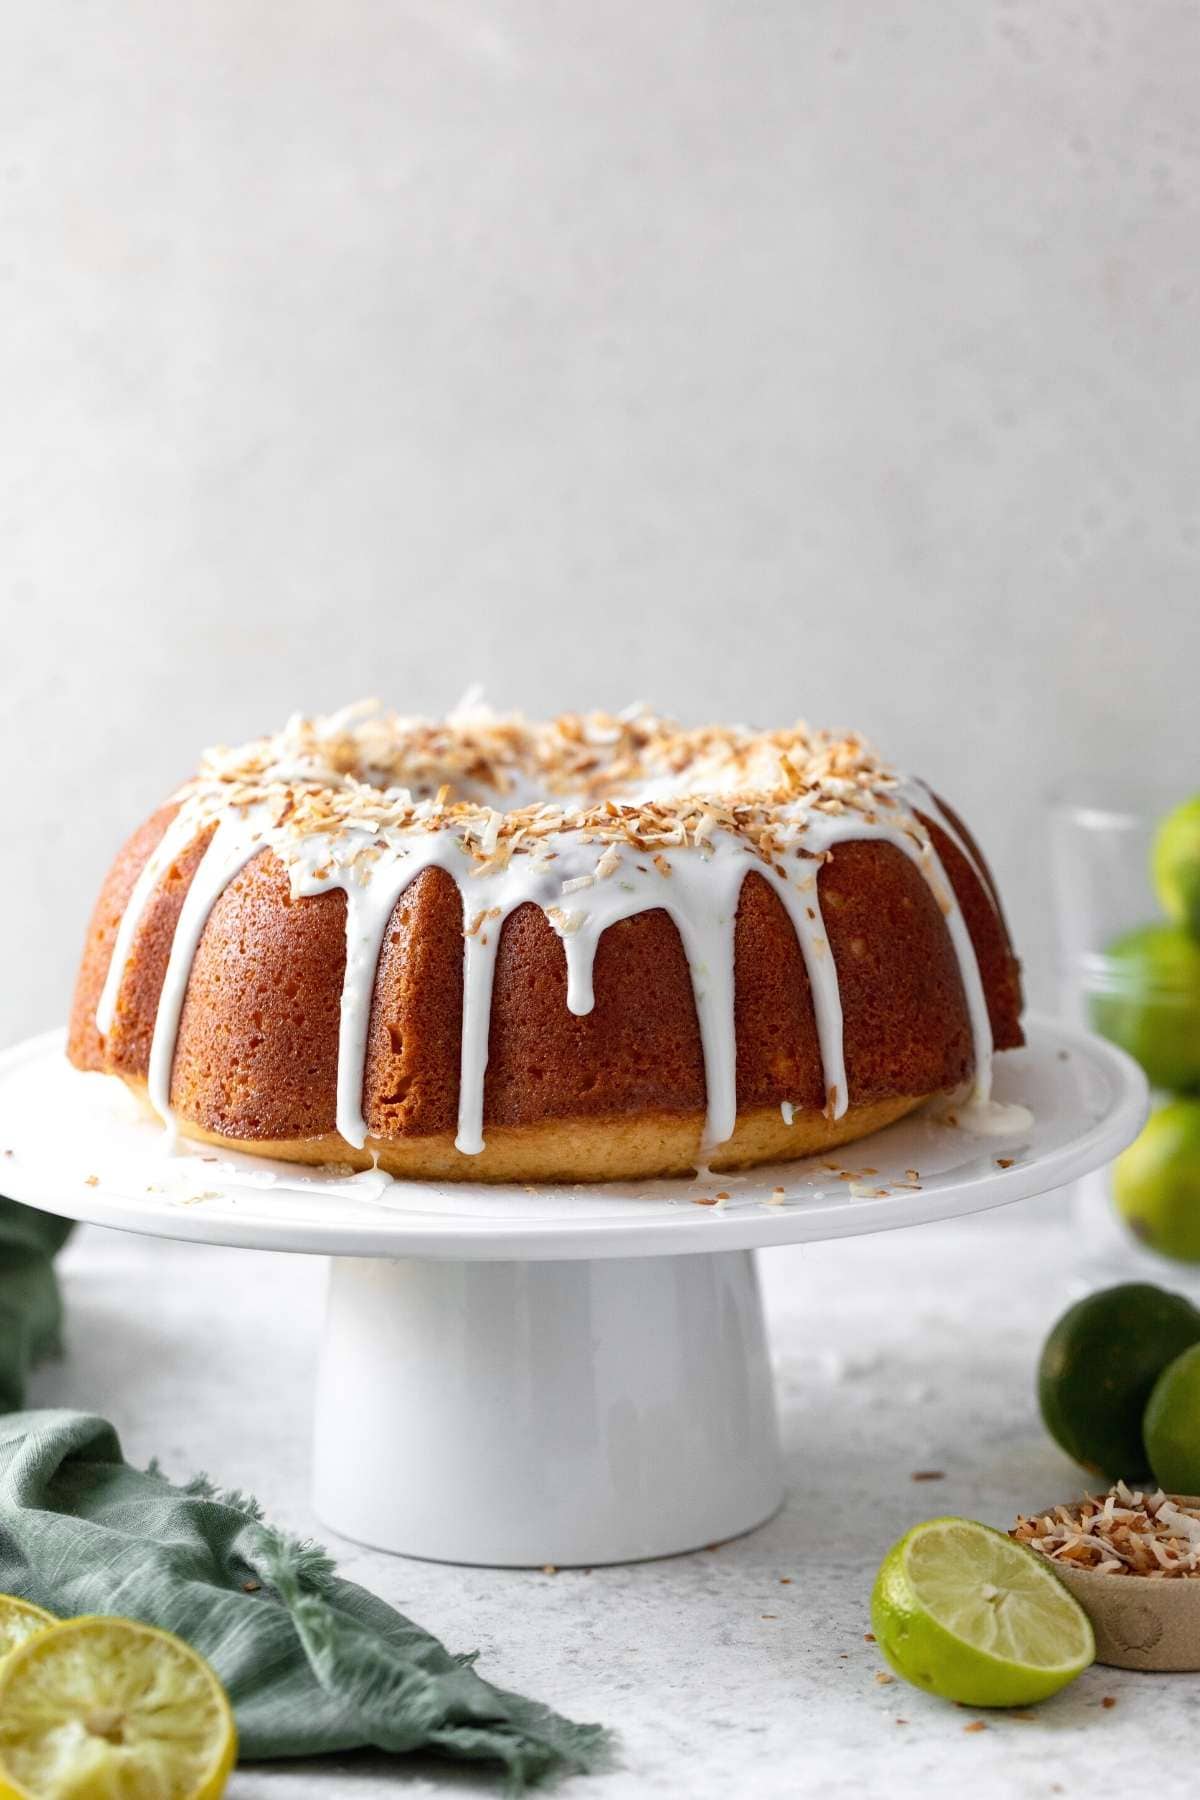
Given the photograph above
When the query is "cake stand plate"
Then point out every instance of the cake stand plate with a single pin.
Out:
(568, 1375)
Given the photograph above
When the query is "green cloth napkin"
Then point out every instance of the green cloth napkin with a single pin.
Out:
(311, 1663)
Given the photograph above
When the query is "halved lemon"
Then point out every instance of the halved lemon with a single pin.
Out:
(112, 1708)
(20, 1619)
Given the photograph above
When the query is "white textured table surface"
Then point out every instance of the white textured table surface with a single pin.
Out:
(739, 1671)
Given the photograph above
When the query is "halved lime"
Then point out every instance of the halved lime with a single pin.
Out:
(962, 1611)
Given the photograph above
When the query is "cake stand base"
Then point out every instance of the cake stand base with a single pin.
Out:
(575, 1412)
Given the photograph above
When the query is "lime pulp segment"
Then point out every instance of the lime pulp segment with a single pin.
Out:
(993, 1595)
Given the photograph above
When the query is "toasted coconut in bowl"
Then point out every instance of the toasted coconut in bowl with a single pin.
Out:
(1132, 1560)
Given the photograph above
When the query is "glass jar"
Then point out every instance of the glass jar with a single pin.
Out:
(1128, 974)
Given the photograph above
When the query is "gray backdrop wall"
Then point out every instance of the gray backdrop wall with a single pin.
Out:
(831, 358)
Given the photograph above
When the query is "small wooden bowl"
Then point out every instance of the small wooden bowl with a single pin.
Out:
(1140, 1623)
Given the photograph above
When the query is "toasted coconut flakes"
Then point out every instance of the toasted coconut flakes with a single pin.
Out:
(579, 882)
(1124, 1532)
(1177, 1518)
(565, 923)
(777, 1196)
(369, 783)
(88, 1180)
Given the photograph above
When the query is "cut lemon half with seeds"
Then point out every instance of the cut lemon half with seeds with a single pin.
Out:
(962, 1611)
(109, 1707)
(20, 1619)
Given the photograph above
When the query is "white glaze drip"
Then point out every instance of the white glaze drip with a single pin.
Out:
(369, 906)
(179, 834)
(921, 798)
(479, 968)
(706, 931)
(700, 894)
(921, 851)
(233, 843)
(697, 886)
(803, 905)
(488, 899)
(368, 910)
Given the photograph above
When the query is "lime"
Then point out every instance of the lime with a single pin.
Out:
(962, 1611)
(110, 1707)
(1156, 1182)
(1172, 1425)
(1097, 1369)
(1175, 864)
(1151, 1003)
(19, 1620)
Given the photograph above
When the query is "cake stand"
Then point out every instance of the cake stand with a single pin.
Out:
(562, 1375)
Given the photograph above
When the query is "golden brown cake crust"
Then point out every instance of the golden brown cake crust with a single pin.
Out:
(257, 1050)
(256, 1056)
(624, 1147)
(85, 1046)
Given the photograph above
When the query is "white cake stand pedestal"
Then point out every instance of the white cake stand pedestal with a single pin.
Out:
(563, 1375)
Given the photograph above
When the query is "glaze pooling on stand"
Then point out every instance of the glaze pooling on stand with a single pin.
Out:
(637, 815)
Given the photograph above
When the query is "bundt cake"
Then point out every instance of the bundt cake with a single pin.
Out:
(594, 948)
